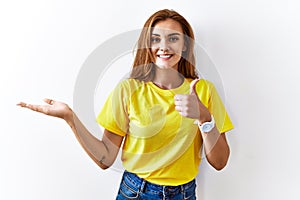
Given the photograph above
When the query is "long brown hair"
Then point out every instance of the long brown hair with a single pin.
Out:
(143, 67)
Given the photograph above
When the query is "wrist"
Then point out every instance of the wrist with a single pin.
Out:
(207, 126)
(69, 115)
(207, 117)
(204, 120)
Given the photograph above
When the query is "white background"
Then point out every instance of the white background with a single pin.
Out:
(254, 45)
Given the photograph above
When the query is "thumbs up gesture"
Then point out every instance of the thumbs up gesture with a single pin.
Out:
(189, 105)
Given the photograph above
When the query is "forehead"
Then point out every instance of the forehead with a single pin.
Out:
(167, 26)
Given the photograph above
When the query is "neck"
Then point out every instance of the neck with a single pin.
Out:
(167, 78)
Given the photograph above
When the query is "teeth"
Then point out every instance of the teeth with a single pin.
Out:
(164, 56)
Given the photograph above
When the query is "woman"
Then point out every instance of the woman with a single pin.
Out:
(160, 116)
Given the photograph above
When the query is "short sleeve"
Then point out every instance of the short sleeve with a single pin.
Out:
(114, 114)
(210, 98)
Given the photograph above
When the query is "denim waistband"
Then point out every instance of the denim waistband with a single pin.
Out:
(155, 188)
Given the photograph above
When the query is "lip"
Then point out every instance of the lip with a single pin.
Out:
(164, 56)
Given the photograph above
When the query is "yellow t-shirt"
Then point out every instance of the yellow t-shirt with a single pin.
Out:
(160, 145)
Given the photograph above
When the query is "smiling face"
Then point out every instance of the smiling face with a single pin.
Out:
(167, 43)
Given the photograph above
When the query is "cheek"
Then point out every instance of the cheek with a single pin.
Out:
(154, 52)
(154, 46)
(178, 51)
(177, 57)
(153, 49)
(178, 48)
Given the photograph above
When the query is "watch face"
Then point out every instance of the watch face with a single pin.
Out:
(206, 127)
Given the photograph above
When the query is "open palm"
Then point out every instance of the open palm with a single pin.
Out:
(52, 108)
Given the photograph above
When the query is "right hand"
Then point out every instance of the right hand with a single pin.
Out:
(52, 108)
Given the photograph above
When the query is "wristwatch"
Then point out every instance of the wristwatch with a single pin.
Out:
(206, 127)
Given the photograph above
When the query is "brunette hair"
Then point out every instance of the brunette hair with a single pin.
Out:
(143, 67)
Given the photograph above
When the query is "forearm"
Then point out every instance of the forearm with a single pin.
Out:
(94, 147)
(103, 152)
(216, 148)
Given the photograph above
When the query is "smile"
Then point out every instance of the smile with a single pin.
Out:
(165, 56)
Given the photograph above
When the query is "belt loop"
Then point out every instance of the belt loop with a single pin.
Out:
(182, 188)
(164, 194)
(143, 186)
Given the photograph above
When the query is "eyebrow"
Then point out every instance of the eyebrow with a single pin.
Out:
(171, 34)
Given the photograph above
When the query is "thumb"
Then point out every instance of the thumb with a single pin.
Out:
(49, 101)
(193, 86)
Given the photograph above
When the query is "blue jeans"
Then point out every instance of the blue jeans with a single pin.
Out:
(133, 187)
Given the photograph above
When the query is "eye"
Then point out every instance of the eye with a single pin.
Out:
(155, 40)
(173, 39)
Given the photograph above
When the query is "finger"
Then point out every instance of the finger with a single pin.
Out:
(45, 109)
(181, 111)
(26, 105)
(178, 108)
(180, 97)
(49, 101)
(180, 100)
(22, 104)
(193, 86)
(181, 103)
(37, 108)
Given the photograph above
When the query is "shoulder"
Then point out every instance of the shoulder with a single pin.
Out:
(128, 85)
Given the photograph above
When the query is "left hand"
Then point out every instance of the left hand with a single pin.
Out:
(189, 105)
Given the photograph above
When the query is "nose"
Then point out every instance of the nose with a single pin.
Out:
(164, 46)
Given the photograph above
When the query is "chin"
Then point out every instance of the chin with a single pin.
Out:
(162, 66)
